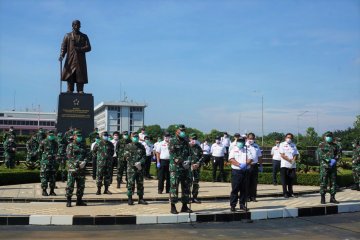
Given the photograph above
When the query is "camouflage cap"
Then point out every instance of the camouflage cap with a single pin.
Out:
(50, 132)
(180, 127)
(193, 136)
(59, 134)
(237, 135)
(328, 134)
(125, 132)
(134, 134)
(78, 132)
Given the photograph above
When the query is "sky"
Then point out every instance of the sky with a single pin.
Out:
(205, 63)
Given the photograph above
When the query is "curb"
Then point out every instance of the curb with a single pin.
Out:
(256, 214)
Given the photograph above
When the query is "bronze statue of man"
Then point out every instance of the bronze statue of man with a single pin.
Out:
(74, 46)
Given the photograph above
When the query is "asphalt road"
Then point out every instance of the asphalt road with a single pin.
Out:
(338, 226)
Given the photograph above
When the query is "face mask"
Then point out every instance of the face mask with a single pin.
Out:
(217, 141)
(182, 134)
(105, 138)
(251, 142)
(116, 137)
(135, 139)
(147, 142)
(288, 140)
(240, 144)
(78, 139)
(97, 140)
(328, 139)
(51, 137)
(125, 136)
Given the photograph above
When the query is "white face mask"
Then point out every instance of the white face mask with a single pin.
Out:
(288, 140)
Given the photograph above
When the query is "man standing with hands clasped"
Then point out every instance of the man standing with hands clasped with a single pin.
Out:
(289, 155)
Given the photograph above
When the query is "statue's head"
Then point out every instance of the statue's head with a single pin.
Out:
(76, 25)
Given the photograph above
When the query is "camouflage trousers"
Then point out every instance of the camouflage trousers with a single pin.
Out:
(356, 173)
(9, 160)
(47, 177)
(179, 175)
(103, 173)
(62, 168)
(327, 175)
(31, 161)
(134, 175)
(195, 183)
(80, 184)
(121, 168)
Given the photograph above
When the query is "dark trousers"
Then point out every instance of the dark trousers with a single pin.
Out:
(147, 166)
(287, 179)
(275, 170)
(94, 168)
(114, 163)
(71, 82)
(218, 162)
(163, 175)
(253, 180)
(238, 184)
(206, 158)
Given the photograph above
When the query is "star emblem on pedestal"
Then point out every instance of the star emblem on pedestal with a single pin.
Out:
(76, 102)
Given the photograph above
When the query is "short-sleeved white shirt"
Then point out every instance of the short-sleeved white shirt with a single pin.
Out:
(275, 152)
(148, 148)
(163, 149)
(290, 151)
(255, 151)
(240, 155)
(218, 150)
(206, 148)
(225, 141)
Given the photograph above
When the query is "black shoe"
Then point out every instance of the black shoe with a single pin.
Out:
(130, 201)
(52, 193)
(185, 208)
(322, 201)
(118, 185)
(275, 184)
(68, 202)
(80, 202)
(232, 209)
(142, 201)
(253, 199)
(98, 191)
(286, 195)
(333, 200)
(292, 195)
(173, 209)
(44, 193)
(242, 207)
(160, 192)
(196, 200)
(106, 191)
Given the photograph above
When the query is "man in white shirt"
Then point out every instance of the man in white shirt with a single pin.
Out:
(276, 160)
(240, 159)
(218, 152)
(256, 165)
(205, 146)
(289, 155)
(233, 143)
(142, 135)
(163, 156)
(114, 141)
(148, 148)
(225, 141)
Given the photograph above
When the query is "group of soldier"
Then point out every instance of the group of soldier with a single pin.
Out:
(178, 159)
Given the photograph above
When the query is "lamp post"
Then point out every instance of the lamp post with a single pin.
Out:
(262, 118)
(298, 120)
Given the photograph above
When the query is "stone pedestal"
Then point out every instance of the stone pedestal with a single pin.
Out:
(77, 111)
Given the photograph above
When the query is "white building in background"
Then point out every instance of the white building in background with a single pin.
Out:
(119, 116)
(25, 123)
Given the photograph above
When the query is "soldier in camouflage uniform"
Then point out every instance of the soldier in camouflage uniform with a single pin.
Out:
(134, 154)
(32, 146)
(76, 162)
(180, 170)
(356, 165)
(69, 134)
(62, 144)
(104, 151)
(122, 163)
(9, 152)
(328, 155)
(48, 150)
(93, 135)
(10, 133)
(196, 159)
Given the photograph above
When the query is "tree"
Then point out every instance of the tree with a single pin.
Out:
(154, 131)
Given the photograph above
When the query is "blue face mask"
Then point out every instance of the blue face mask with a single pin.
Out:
(240, 144)
(105, 138)
(328, 139)
(51, 137)
(78, 139)
(182, 134)
(135, 139)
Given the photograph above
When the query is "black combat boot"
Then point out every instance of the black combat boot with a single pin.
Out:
(80, 202)
(118, 185)
(52, 193)
(142, 201)
(195, 199)
(173, 209)
(68, 202)
(333, 200)
(355, 187)
(98, 191)
(44, 193)
(130, 201)
(322, 199)
(106, 191)
(185, 208)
